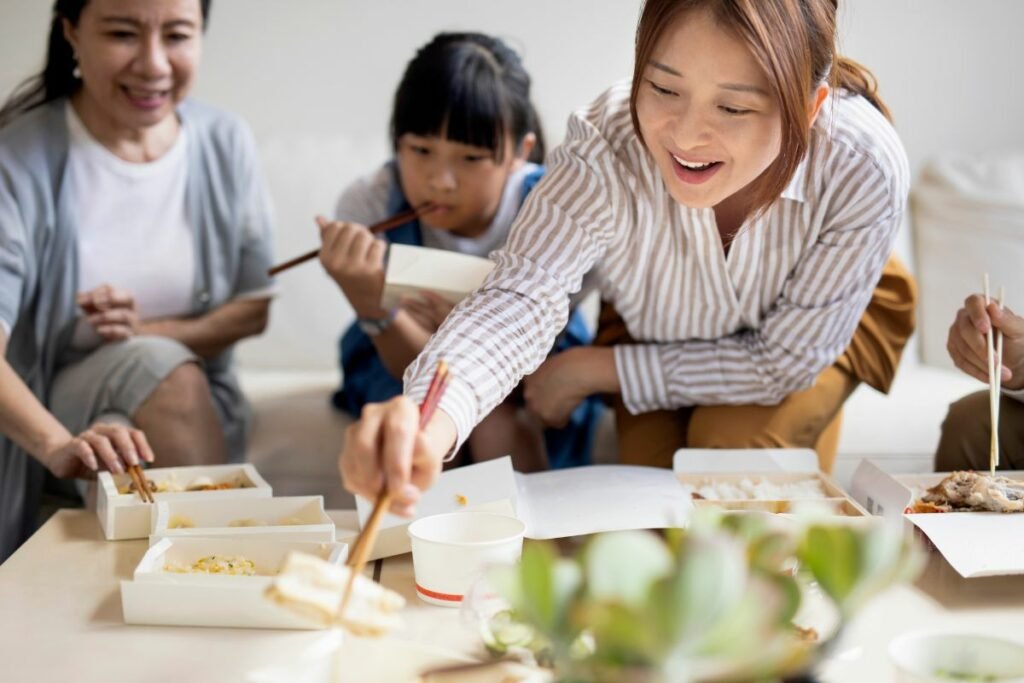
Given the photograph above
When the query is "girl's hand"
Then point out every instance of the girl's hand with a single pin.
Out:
(115, 446)
(354, 258)
(565, 379)
(428, 309)
(111, 312)
(387, 447)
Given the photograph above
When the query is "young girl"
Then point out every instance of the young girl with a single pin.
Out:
(739, 198)
(466, 139)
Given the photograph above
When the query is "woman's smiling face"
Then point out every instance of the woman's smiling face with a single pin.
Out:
(138, 59)
(706, 112)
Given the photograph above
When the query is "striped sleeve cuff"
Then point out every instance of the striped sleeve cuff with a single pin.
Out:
(459, 403)
(641, 377)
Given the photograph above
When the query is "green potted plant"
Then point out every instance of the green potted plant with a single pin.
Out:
(715, 602)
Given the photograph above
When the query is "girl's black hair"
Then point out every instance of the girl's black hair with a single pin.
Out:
(470, 87)
(57, 78)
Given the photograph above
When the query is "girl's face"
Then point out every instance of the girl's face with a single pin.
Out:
(706, 112)
(137, 58)
(465, 183)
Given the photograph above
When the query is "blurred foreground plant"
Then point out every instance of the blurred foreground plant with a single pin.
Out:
(713, 603)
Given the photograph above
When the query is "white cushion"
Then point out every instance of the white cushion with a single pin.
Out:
(968, 220)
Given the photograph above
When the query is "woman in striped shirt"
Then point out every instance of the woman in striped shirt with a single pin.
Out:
(738, 201)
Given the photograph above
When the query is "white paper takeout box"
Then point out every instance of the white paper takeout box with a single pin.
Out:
(974, 543)
(555, 504)
(125, 516)
(214, 518)
(699, 467)
(155, 596)
(449, 274)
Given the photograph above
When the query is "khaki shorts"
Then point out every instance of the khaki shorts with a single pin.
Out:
(112, 382)
(115, 380)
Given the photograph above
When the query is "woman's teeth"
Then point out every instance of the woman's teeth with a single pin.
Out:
(692, 165)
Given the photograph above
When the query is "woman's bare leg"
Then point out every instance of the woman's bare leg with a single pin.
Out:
(180, 422)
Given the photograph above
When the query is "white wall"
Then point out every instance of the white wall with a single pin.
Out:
(315, 78)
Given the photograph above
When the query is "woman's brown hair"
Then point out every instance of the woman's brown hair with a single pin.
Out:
(794, 42)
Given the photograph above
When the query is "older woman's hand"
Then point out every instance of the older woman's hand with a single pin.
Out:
(115, 446)
(111, 311)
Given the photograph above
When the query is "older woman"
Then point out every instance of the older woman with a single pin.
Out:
(134, 245)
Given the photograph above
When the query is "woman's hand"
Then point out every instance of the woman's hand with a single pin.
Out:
(354, 258)
(115, 446)
(428, 309)
(558, 386)
(968, 347)
(387, 447)
(111, 312)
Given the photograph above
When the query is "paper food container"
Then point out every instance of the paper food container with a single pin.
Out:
(555, 504)
(974, 543)
(157, 596)
(294, 518)
(449, 274)
(832, 499)
(125, 515)
(768, 480)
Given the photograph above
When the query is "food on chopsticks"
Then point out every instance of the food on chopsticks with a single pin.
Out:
(201, 483)
(313, 589)
(229, 565)
(972, 492)
(758, 489)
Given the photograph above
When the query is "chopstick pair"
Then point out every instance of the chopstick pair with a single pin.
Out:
(994, 339)
(141, 485)
(376, 229)
(368, 536)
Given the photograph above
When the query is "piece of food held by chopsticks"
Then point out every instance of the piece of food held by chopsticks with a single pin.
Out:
(313, 588)
(972, 492)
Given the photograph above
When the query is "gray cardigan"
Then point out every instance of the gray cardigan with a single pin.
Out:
(228, 208)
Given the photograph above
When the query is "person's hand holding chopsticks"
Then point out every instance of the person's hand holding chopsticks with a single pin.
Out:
(968, 348)
(387, 446)
(354, 258)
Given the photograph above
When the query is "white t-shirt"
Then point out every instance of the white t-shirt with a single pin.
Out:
(132, 225)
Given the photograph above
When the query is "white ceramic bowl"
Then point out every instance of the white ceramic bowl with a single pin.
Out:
(934, 657)
(450, 551)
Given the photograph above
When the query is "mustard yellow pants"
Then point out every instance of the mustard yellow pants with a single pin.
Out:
(806, 419)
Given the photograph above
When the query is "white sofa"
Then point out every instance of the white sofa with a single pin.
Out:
(290, 372)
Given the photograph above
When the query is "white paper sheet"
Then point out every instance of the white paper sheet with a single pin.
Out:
(450, 274)
(977, 543)
(587, 500)
(555, 504)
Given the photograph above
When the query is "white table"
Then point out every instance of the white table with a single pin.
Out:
(60, 620)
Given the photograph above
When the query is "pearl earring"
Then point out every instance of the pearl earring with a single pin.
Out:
(76, 72)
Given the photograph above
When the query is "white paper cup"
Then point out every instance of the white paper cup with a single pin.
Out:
(924, 657)
(450, 551)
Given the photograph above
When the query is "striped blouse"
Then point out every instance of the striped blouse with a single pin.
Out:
(747, 327)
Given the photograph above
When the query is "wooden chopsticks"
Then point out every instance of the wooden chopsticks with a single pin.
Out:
(376, 229)
(994, 338)
(141, 485)
(368, 536)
